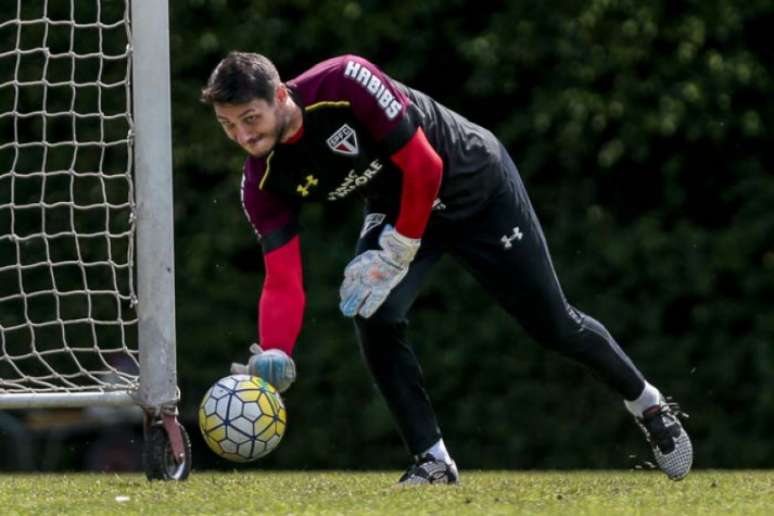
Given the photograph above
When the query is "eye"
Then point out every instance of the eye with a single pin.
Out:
(250, 119)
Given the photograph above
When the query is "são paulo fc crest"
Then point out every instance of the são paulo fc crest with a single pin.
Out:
(344, 141)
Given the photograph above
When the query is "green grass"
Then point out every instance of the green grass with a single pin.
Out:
(491, 492)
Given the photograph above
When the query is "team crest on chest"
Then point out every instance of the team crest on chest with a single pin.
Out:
(344, 141)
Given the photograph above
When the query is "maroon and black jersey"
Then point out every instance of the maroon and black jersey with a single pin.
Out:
(354, 119)
(471, 156)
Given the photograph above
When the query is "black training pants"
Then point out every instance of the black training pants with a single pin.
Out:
(504, 248)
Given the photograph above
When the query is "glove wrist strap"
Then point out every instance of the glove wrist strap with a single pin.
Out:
(401, 249)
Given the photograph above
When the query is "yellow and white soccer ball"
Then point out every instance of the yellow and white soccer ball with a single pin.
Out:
(242, 418)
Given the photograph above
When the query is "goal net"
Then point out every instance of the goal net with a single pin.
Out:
(69, 313)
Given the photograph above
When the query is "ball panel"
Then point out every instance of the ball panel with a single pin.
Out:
(209, 405)
(213, 444)
(262, 423)
(251, 411)
(218, 433)
(273, 441)
(236, 435)
(238, 378)
(228, 446)
(261, 450)
(234, 408)
(268, 434)
(202, 418)
(246, 385)
(276, 402)
(265, 404)
(221, 407)
(229, 382)
(243, 425)
(210, 423)
(246, 449)
(248, 395)
(268, 387)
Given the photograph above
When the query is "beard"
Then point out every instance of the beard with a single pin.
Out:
(283, 121)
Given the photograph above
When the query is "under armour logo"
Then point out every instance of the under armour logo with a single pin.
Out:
(506, 240)
(310, 182)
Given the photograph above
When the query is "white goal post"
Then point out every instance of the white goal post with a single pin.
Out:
(87, 299)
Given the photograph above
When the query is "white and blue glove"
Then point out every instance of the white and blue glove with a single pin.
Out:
(273, 365)
(370, 277)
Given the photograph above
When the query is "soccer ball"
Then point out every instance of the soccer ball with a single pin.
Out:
(242, 418)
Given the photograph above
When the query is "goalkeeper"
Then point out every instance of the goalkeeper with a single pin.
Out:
(433, 183)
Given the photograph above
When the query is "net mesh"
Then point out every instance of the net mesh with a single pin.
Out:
(67, 297)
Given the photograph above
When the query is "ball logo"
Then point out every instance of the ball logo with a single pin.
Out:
(344, 141)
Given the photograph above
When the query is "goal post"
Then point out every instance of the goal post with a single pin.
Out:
(153, 180)
(87, 313)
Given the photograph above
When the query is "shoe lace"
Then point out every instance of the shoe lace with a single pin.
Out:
(410, 472)
(674, 408)
(419, 461)
(659, 433)
(424, 459)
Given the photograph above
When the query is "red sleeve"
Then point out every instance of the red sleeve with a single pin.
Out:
(422, 170)
(281, 307)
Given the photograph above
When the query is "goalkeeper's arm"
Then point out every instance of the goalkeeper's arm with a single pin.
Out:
(280, 314)
(281, 307)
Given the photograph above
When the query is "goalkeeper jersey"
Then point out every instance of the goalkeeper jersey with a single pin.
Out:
(355, 118)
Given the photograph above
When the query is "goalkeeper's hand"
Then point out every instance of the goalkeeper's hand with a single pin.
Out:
(371, 276)
(273, 365)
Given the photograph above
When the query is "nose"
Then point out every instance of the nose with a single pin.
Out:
(242, 135)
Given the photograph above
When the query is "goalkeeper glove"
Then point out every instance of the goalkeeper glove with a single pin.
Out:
(273, 365)
(371, 276)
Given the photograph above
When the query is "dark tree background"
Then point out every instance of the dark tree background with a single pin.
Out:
(643, 133)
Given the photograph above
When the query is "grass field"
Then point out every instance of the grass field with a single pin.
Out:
(491, 492)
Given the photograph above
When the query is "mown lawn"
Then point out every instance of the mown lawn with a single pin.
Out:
(331, 492)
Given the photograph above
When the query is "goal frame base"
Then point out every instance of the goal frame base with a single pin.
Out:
(66, 399)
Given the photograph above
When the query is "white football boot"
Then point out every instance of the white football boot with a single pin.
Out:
(429, 470)
(671, 445)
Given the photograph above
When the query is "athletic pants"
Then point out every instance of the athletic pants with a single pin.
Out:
(503, 247)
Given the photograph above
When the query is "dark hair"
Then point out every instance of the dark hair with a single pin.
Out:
(241, 77)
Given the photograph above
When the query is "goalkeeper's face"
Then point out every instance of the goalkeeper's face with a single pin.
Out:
(256, 126)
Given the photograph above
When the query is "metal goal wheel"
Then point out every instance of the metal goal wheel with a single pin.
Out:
(167, 450)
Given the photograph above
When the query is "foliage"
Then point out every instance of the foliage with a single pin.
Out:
(641, 130)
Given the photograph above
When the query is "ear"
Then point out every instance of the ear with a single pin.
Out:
(281, 94)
